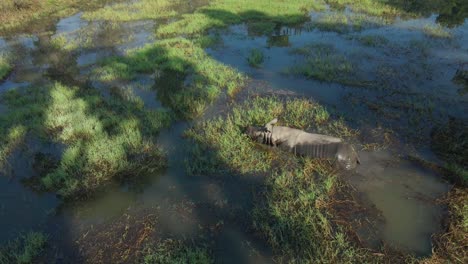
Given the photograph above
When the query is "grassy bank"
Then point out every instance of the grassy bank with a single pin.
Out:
(105, 139)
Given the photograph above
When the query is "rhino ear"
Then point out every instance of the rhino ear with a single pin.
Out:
(269, 125)
(272, 122)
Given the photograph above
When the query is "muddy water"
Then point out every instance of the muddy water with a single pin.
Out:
(406, 194)
(200, 207)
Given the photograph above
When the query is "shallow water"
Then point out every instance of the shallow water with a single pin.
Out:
(198, 207)
(406, 194)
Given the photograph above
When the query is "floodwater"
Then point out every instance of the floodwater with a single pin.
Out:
(411, 90)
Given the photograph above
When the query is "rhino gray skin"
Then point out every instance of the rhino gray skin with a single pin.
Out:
(302, 143)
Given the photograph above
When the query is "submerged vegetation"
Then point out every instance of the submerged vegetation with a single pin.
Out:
(24, 250)
(325, 63)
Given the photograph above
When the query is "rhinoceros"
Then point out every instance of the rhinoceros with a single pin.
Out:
(303, 143)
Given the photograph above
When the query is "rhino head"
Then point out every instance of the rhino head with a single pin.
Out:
(257, 132)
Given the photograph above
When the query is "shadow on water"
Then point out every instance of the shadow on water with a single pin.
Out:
(172, 204)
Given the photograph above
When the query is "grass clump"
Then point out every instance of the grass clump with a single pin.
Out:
(373, 40)
(255, 58)
(24, 249)
(222, 13)
(175, 252)
(102, 144)
(324, 63)
(5, 67)
(10, 140)
(188, 78)
(436, 31)
(135, 10)
(105, 140)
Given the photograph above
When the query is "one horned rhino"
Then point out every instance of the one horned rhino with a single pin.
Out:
(302, 143)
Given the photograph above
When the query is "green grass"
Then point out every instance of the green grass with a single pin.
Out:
(175, 253)
(5, 67)
(176, 60)
(105, 139)
(290, 213)
(135, 10)
(255, 58)
(324, 63)
(222, 13)
(24, 249)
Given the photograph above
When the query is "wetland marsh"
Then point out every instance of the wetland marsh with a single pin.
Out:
(122, 131)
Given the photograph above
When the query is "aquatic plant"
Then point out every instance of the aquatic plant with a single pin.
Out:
(255, 58)
(323, 62)
(23, 250)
